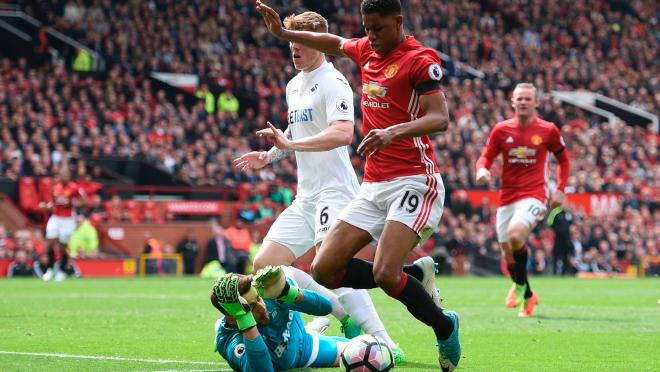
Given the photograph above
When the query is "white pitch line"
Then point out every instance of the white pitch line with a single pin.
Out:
(95, 357)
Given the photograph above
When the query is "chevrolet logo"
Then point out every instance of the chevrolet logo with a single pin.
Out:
(522, 152)
(373, 90)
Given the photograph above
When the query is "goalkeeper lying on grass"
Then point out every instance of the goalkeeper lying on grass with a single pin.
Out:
(262, 329)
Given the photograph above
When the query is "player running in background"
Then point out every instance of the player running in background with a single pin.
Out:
(524, 143)
(321, 116)
(262, 329)
(62, 223)
(401, 198)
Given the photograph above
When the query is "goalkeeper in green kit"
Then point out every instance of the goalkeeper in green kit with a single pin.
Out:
(262, 329)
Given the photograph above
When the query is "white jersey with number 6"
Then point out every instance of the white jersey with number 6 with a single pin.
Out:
(315, 100)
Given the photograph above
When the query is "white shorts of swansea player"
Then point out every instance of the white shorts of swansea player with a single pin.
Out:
(306, 221)
(528, 211)
(60, 228)
(415, 201)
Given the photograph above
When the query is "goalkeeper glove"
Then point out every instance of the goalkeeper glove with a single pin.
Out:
(271, 282)
(226, 290)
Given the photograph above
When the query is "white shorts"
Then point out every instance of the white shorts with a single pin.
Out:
(60, 228)
(528, 211)
(306, 222)
(416, 201)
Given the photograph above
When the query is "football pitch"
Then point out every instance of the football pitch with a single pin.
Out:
(166, 324)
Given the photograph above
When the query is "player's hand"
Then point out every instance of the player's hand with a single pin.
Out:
(557, 199)
(271, 282)
(483, 176)
(375, 140)
(252, 160)
(237, 306)
(277, 136)
(271, 18)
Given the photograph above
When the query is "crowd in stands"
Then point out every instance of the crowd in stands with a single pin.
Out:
(50, 115)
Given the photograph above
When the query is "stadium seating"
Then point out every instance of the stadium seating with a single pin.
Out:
(609, 49)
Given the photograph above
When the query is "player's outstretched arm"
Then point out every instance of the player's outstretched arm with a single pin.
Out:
(485, 161)
(271, 282)
(339, 133)
(259, 159)
(225, 296)
(324, 42)
(435, 119)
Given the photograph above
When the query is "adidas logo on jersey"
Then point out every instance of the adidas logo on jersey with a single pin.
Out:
(509, 140)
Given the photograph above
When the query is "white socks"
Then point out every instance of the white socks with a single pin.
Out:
(359, 306)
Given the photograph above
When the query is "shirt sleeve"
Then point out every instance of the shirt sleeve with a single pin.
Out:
(312, 304)
(426, 74)
(247, 355)
(339, 100)
(492, 149)
(556, 142)
(354, 48)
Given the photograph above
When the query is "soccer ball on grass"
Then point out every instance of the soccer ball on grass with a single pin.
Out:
(366, 353)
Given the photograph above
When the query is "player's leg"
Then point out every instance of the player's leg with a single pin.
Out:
(503, 218)
(526, 215)
(329, 352)
(273, 254)
(52, 235)
(289, 237)
(356, 303)
(66, 228)
(358, 224)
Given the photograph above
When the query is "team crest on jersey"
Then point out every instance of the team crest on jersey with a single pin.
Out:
(239, 350)
(373, 90)
(343, 106)
(435, 72)
(391, 70)
(536, 140)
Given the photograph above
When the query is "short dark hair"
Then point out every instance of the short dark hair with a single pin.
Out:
(382, 7)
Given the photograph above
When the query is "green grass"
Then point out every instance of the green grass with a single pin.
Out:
(582, 325)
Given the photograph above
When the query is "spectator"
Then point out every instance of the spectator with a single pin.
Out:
(219, 248)
(228, 103)
(84, 242)
(560, 220)
(20, 266)
(241, 240)
(188, 248)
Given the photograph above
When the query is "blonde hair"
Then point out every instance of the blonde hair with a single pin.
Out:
(307, 21)
(525, 86)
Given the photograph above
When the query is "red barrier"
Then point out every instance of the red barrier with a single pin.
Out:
(93, 268)
(592, 204)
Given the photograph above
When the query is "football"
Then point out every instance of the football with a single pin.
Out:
(366, 353)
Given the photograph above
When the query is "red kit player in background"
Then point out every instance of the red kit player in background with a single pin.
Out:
(61, 224)
(402, 195)
(524, 143)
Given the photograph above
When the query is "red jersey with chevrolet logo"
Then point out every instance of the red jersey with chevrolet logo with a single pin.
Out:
(525, 153)
(390, 95)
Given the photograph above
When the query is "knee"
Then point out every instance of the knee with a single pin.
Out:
(322, 274)
(388, 280)
(259, 263)
(516, 237)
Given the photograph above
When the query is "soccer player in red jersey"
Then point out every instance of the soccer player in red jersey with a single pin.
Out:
(524, 143)
(402, 195)
(62, 223)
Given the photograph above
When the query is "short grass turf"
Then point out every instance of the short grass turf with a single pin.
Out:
(149, 324)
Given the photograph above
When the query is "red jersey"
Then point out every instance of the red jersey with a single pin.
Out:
(391, 85)
(525, 153)
(63, 196)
